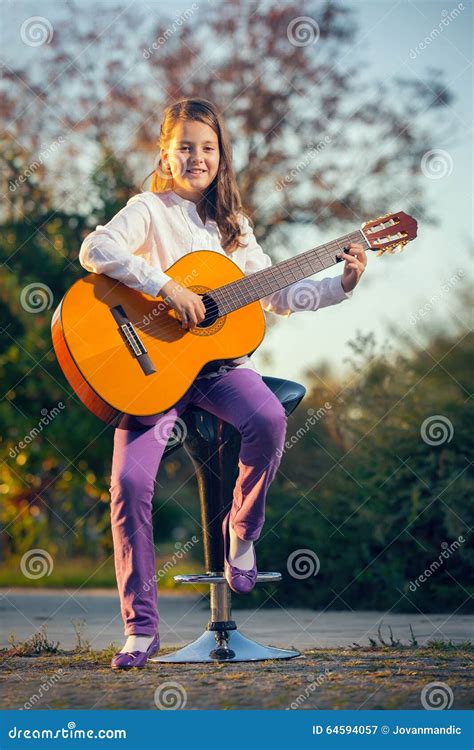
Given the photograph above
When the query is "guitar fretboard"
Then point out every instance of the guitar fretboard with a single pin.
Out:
(257, 285)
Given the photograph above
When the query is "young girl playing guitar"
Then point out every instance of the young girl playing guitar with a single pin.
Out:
(194, 204)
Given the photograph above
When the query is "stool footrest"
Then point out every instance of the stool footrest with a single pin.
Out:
(219, 578)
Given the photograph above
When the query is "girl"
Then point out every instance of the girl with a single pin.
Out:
(194, 204)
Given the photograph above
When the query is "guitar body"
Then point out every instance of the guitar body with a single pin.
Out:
(124, 352)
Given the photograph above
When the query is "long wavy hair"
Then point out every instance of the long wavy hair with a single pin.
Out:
(221, 200)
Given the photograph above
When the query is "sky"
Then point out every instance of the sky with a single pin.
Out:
(410, 285)
(424, 280)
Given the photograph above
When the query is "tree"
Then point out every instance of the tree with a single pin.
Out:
(302, 118)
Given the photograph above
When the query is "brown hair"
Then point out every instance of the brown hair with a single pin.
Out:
(221, 200)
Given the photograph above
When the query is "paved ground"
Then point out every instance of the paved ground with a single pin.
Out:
(329, 674)
(184, 617)
(323, 679)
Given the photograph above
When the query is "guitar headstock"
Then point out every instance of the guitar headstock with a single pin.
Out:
(390, 233)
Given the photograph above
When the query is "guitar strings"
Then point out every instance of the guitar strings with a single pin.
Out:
(241, 298)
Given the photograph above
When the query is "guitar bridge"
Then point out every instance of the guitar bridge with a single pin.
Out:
(131, 337)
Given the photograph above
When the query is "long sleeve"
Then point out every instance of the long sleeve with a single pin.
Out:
(307, 294)
(111, 249)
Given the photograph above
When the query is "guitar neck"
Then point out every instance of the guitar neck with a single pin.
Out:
(257, 285)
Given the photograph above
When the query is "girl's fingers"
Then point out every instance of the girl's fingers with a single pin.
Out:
(346, 256)
(353, 257)
(357, 250)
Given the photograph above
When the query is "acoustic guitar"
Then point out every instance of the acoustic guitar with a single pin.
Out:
(125, 353)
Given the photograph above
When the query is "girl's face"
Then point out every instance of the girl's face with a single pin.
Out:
(193, 156)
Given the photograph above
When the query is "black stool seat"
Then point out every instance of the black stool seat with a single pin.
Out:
(213, 446)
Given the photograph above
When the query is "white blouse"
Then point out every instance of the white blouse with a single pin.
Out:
(154, 230)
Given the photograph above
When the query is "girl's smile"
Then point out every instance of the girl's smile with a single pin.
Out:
(196, 172)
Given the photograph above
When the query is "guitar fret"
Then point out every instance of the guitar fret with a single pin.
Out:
(274, 274)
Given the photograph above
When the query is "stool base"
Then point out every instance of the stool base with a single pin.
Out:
(224, 646)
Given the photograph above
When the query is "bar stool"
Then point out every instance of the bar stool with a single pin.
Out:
(213, 446)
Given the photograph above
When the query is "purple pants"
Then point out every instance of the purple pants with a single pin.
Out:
(238, 396)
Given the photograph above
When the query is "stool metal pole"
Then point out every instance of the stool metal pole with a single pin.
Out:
(213, 446)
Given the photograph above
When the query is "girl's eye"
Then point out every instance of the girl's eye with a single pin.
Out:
(186, 148)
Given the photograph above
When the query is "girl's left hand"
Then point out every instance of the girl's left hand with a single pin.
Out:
(356, 261)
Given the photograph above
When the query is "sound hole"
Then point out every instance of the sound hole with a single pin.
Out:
(212, 311)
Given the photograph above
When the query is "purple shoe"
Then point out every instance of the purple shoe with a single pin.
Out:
(240, 581)
(129, 659)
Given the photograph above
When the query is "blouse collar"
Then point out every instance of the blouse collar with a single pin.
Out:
(190, 205)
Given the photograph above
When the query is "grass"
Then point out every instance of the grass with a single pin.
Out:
(85, 573)
(39, 644)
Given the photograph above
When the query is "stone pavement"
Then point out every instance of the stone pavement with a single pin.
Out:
(184, 618)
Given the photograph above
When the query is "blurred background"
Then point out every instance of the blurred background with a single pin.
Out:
(338, 113)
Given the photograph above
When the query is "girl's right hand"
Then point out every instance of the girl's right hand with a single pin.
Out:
(188, 305)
